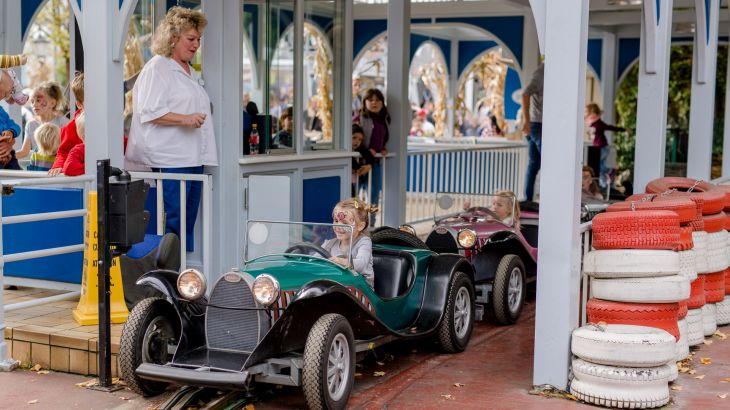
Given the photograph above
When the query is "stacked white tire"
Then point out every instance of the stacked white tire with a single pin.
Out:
(723, 311)
(695, 332)
(622, 366)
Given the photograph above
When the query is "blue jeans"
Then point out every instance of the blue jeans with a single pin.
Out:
(534, 149)
(171, 196)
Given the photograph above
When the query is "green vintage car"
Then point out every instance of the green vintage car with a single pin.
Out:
(291, 316)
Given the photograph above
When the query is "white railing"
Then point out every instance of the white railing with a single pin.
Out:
(586, 239)
(475, 168)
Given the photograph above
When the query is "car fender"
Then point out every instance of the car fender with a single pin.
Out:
(438, 277)
(314, 300)
(491, 253)
(190, 314)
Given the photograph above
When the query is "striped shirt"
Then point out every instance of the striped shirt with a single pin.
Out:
(40, 162)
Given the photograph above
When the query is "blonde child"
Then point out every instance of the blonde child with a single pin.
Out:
(506, 208)
(353, 212)
(47, 137)
(48, 108)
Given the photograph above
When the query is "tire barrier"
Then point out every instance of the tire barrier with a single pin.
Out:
(623, 345)
(695, 333)
(697, 293)
(723, 312)
(685, 208)
(714, 287)
(631, 263)
(663, 289)
(655, 315)
(682, 347)
(709, 319)
(636, 230)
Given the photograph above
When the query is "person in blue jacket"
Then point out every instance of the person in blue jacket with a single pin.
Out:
(9, 130)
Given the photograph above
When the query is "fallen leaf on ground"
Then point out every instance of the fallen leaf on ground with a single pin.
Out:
(571, 397)
(123, 398)
(677, 388)
(447, 396)
(43, 372)
(720, 335)
(702, 376)
(722, 396)
(705, 360)
(458, 384)
(693, 371)
(725, 380)
(379, 374)
(33, 402)
(683, 369)
(380, 363)
(86, 383)
(707, 342)
(36, 368)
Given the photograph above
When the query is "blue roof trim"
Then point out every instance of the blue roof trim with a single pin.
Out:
(628, 52)
(595, 55)
(658, 7)
(27, 11)
(469, 50)
(707, 20)
(511, 84)
(509, 30)
(365, 30)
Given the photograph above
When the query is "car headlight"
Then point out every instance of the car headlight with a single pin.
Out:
(191, 284)
(266, 289)
(467, 238)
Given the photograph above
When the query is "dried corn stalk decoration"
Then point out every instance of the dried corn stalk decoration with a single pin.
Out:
(491, 71)
(323, 76)
(434, 76)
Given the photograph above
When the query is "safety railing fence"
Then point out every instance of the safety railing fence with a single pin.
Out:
(479, 168)
(206, 211)
(586, 239)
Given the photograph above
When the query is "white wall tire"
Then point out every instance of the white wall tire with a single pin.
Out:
(717, 245)
(622, 398)
(687, 264)
(681, 349)
(623, 345)
(716, 257)
(709, 319)
(630, 263)
(699, 238)
(663, 289)
(627, 377)
(723, 312)
(695, 333)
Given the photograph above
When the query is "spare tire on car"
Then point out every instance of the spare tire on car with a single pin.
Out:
(396, 237)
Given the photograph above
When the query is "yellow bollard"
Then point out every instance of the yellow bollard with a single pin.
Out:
(87, 311)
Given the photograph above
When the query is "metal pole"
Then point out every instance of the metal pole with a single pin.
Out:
(104, 262)
(6, 362)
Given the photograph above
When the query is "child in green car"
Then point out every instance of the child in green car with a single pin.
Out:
(355, 213)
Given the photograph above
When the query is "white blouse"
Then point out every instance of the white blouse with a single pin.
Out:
(163, 87)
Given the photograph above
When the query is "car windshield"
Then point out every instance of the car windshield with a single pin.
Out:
(497, 207)
(314, 239)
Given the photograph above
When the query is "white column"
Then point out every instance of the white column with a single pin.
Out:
(399, 31)
(702, 104)
(530, 50)
(453, 88)
(726, 133)
(103, 87)
(12, 43)
(651, 115)
(222, 74)
(608, 75)
(557, 309)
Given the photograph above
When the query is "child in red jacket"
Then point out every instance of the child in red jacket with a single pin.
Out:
(74, 164)
(69, 134)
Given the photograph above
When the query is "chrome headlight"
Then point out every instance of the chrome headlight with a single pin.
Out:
(191, 284)
(467, 238)
(266, 289)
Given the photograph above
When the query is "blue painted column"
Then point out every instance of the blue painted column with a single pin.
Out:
(702, 104)
(651, 115)
(557, 310)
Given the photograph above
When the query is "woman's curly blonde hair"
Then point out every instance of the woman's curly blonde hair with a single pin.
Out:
(177, 21)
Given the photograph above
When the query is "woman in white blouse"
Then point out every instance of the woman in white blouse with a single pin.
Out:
(172, 129)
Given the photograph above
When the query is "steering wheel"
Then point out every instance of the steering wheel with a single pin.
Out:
(485, 210)
(304, 248)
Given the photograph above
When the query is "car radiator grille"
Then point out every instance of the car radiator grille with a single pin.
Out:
(227, 326)
(442, 242)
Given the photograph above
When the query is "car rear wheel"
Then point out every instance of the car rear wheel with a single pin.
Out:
(458, 322)
(508, 292)
(391, 236)
(329, 363)
(148, 332)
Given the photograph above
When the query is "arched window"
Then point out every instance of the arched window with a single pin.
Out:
(370, 65)
(428, 87)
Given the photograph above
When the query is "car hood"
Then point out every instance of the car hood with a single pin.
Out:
(294, 271)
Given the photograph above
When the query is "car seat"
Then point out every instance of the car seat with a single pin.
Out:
(394, 272)
(155, 252)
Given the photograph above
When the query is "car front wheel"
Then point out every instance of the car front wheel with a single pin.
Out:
(148, 332)
(458, 321)
(329, 363)
(509, 290)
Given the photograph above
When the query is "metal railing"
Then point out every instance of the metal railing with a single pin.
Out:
(586, 239)
(476, 168)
